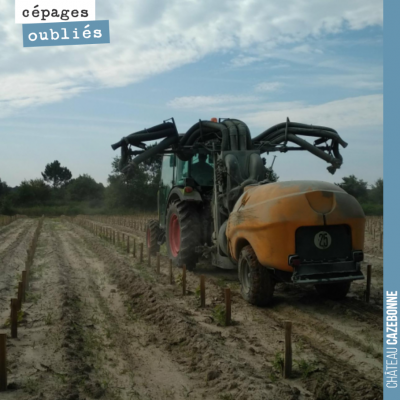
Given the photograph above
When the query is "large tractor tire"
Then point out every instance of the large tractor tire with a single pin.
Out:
(183, 233)
(257, 283)
(152, 233)
(334, 291)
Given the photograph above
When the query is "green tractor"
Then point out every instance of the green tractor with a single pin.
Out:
(216, 201)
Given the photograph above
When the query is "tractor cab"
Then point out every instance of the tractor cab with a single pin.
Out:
(199, 168)
(185, 177)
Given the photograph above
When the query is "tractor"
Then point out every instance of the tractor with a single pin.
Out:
(217, 201)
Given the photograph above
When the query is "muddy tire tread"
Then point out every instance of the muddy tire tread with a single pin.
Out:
(153, 226)
(262, 284)
(190, 227)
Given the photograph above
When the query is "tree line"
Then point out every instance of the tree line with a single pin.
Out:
(57, 192)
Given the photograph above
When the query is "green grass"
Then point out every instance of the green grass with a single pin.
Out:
(218, 314)
(48, 320)
(277, 367)
(372, 209)
(305, 367)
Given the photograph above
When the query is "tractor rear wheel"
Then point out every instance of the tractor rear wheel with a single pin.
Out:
(334, 291)
(183, 233)
(257, 283)
(152, 233)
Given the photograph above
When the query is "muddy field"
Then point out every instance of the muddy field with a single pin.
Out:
(97, 324)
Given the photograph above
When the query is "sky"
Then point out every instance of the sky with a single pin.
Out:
(316, 62)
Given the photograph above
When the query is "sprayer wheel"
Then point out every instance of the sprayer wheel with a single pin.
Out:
(257, 283)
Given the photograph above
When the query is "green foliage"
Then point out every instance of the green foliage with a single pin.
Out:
(179, 279)
(277, 363)
(48, 320)
(306, 368)
(4, 189)
(56, 174)
(6, 206)
(354, 186)
(85, 188)
(20, 316)
(277, 366)
(376, 193)
(218, 314)
(272, 175)
(32, 192)
(139, 191)
(371, 200)
(372, 209)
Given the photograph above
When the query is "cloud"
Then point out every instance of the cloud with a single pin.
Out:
(268, 86)
(151, 37)
(205, 102)
(363, 81)
(354, 112)
(243, 61)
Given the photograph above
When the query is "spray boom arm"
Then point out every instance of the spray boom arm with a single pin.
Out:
(228, 135)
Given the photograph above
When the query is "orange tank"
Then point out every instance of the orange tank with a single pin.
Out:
(268, 216)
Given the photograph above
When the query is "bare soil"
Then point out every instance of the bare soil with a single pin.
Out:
(97, 324)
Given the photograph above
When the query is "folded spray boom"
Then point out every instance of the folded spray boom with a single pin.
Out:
(231, 135)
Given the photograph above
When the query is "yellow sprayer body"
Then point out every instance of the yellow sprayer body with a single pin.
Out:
(291, 218)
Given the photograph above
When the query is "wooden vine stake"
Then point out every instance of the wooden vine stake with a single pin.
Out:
(20, 293)
(202, 291)
(14, 318)
(184, 280)
(227, 307)
(148, 257)
(134, 248)
(171, 276)
(287, 366)
(24, 285)
(3, 362)
(127, 245)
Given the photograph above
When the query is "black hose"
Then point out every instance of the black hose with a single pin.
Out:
(233, 134)
(164, 144)
(291, 125)
(323, 133)
(244, 134)
(336, 161)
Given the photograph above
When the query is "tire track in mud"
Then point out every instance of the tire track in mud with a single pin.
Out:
(216, 365)
(151, 374)
(7, 229)
(38, 364)
(13, 236)
(12, 258)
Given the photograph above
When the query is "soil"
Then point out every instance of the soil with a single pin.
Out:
(97, 324)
